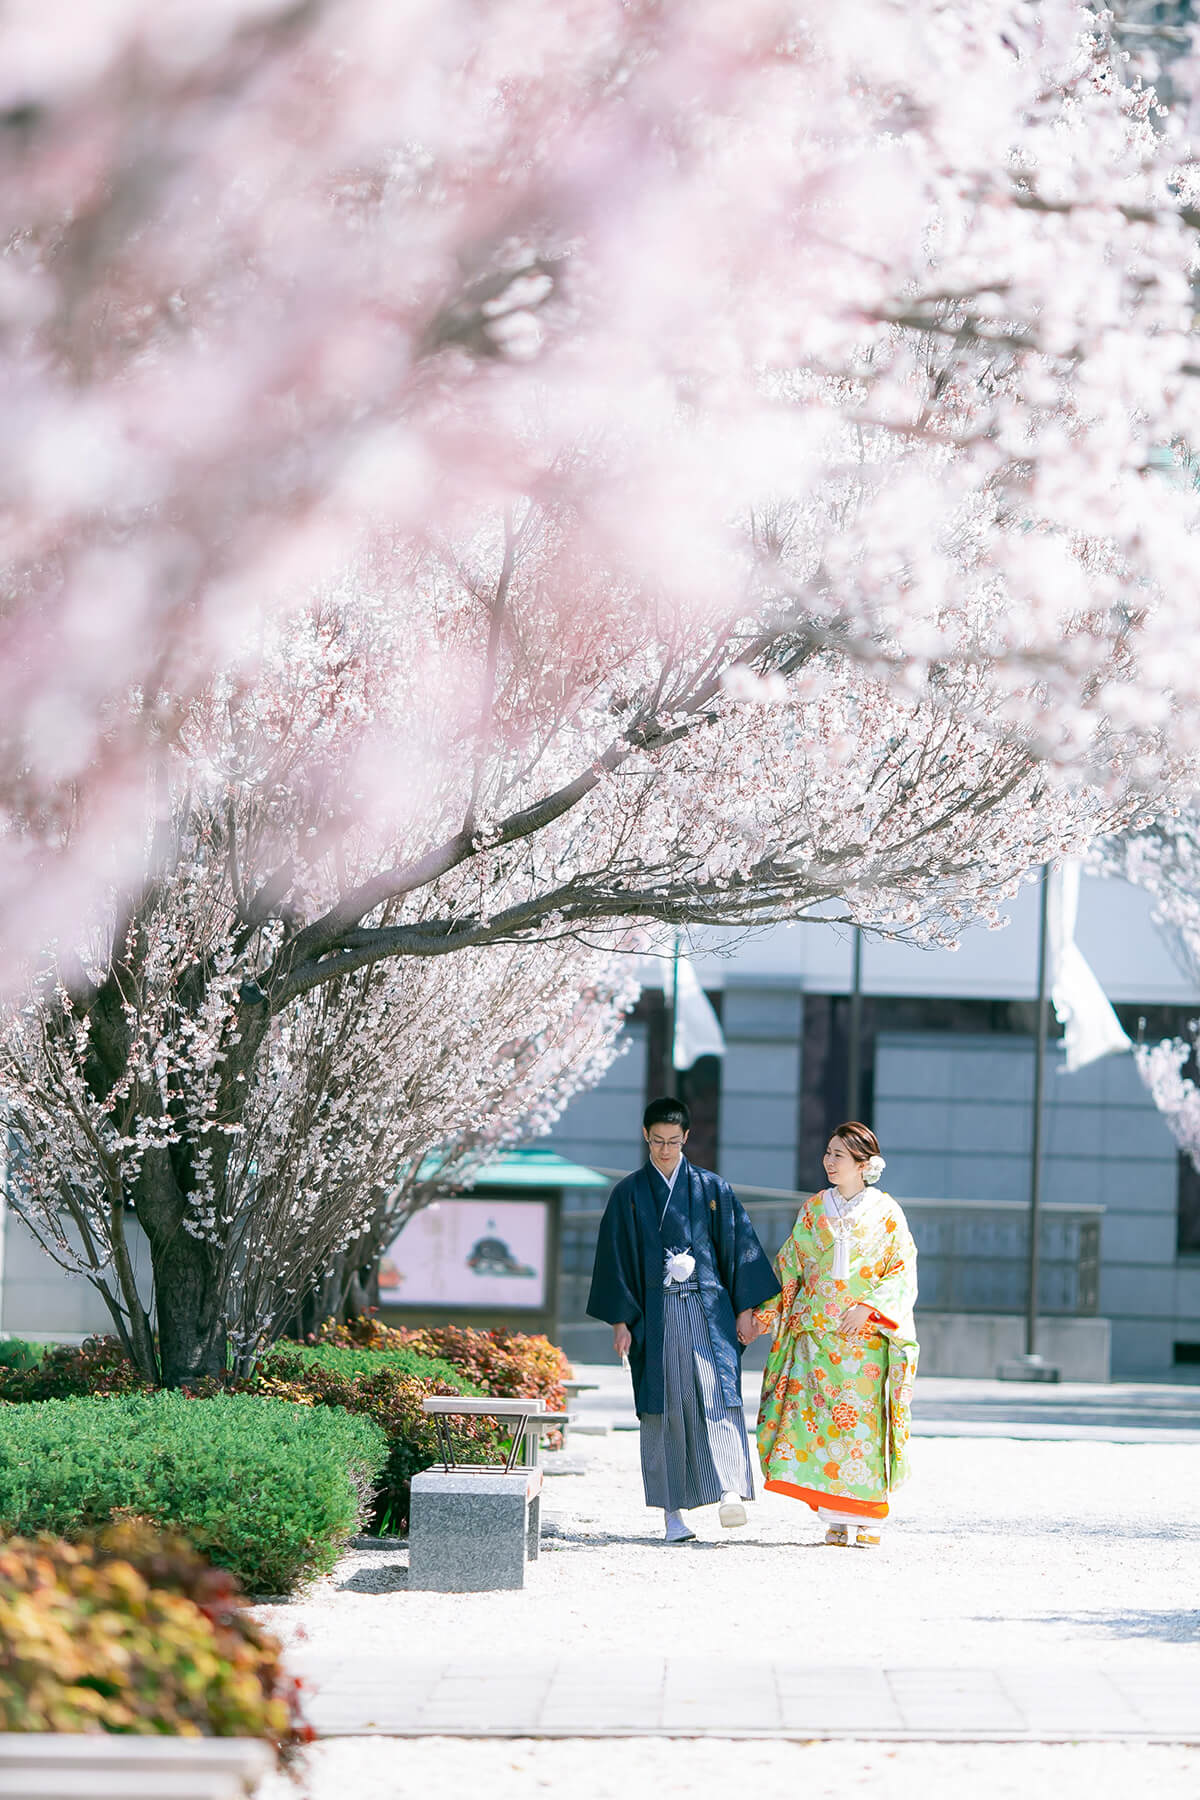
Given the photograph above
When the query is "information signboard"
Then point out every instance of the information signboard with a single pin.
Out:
(469, 1254)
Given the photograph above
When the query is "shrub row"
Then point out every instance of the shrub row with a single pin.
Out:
(353, 1359)
(134, 1632)
(369, 1369)
(507, 1363)
(392, 1400)
(74, 1371)
(267, 1490)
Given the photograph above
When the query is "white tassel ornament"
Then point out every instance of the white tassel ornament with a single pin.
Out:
(681, 1266)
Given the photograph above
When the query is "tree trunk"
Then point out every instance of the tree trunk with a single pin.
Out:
(191, 1314)
(351, 1290)
(190, 1295)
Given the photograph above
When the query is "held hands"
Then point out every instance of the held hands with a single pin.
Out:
(856, 1319)
(748, 1328)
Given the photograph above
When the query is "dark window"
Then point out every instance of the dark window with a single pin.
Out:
(1187, 1235)
(698, 1087)
(1187, 1353)
(824, 1055)
(825, 1096)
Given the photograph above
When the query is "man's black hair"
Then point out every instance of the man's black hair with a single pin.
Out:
(667, 1112)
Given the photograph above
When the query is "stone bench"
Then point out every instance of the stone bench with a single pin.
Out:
(519, 1414)
(473, 1529)
(536, 1427)
(474, 1526)
(49, 1765)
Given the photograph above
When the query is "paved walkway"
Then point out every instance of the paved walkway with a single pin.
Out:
(1123, 1413)
(527, 1695)
(1028, 1590)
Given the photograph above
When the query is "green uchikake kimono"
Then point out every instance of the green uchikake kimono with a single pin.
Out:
(833, 1424)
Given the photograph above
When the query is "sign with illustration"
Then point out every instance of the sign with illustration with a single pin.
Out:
(469, 1253)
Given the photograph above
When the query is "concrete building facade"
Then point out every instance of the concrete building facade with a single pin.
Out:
(947, 1061)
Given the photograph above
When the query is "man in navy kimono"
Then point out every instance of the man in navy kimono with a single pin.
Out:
(678, 1273)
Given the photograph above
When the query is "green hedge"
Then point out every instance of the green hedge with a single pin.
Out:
(19, 1353)
(349, 1362)
(393, 1400)
(265, 1488)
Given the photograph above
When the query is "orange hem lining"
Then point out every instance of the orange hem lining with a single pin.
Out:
(882, 1319)
(870, 1509)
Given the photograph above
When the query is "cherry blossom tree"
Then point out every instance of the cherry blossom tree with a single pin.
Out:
(297, 1004)
(493, 475)
(149, 1085)
(352, 1093)
(290, 286)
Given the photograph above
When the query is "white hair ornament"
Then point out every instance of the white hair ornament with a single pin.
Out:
(872, 1169)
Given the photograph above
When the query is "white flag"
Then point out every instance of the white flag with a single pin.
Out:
(1091, 1028)
(697, 1027)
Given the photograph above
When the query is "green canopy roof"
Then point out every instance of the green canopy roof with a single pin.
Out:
(528, 1168)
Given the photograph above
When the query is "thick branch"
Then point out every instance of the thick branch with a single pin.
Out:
(326, 934)
(769, 895)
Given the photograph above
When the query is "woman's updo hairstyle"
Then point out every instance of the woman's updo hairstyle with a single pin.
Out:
(859, 1140)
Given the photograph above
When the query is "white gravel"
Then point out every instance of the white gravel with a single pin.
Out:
(1000, 1553)
(674, 1769)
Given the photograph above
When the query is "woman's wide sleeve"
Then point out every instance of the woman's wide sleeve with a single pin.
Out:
(615, 1294)
(893, 1293)
(773, 1313)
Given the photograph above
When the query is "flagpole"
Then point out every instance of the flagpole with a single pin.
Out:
(854, 1048)
(1033, 1270)
(672, 1017)
(1031, 1366)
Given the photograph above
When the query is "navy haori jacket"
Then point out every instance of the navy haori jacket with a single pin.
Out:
(732, 1269)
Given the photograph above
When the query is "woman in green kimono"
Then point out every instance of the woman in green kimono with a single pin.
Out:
(834, 1420)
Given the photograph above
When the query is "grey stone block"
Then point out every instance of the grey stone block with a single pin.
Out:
(471, 1533)
(975, 1345)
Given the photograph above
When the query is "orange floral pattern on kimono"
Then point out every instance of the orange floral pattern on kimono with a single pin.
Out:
(833, 1425)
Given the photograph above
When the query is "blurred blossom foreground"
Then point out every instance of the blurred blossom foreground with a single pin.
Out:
(743, 412)
(494, 483)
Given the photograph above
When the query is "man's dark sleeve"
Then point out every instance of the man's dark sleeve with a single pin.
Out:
(753, 1280)
(616, 1287)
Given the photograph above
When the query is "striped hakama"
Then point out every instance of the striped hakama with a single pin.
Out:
(696, 1449)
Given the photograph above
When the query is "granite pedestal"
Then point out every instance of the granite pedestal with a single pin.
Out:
(93, 1766)
(471, 1532)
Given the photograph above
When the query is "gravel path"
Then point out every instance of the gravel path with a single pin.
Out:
(671, 1769)
(1001, 1554)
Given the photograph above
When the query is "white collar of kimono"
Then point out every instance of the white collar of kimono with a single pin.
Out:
(669, 1179)
(841, 1222)
(840, 1206)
